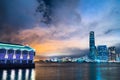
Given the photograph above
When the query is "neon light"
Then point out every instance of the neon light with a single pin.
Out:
(11, 53)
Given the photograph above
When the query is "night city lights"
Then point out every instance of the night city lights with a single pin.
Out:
(59, 39)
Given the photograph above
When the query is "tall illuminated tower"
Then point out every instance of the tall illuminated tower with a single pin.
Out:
(92, 47)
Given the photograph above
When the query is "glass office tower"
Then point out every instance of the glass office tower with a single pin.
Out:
(102, 53)
(92, 53)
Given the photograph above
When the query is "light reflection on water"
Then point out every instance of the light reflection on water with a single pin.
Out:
(66, 71)
(80, 71)
(17, 74)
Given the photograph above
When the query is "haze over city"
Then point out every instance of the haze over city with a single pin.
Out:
(60, 27)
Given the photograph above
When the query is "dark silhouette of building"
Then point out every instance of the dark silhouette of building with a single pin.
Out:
(92, 53)
(112, 53)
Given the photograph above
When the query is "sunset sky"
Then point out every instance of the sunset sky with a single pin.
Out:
(60, 27)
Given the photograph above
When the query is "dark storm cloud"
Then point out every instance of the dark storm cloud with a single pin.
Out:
(112, 31)
(17, 13)
(9, 34)
(59, 11)
(2, 11)
(15, 16)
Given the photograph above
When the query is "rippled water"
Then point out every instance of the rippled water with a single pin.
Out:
(17, 74)
(65, 71)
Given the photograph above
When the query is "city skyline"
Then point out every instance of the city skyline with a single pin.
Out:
(97, 53)
(60, 28)
(101, 53)
(59, 39)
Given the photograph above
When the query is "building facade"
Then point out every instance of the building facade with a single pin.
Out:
(112, 53)
(102, 53)
(16, 54)
(92, 51)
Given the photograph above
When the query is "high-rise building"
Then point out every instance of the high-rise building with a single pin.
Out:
(102, 53)
(112, 53)
(92, 53)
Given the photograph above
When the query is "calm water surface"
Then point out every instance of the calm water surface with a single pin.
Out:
(65, 71)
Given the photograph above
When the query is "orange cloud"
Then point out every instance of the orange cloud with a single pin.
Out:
(48, 42)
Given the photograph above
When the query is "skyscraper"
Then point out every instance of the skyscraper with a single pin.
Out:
(92, 47)
(102, 53)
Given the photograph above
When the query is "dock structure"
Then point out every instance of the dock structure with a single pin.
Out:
(12, 55)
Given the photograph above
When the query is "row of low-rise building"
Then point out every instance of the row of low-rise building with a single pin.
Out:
(66, 59)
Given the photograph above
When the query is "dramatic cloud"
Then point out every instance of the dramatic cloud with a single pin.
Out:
(60, 27)
(49, 41)
(59, 11)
